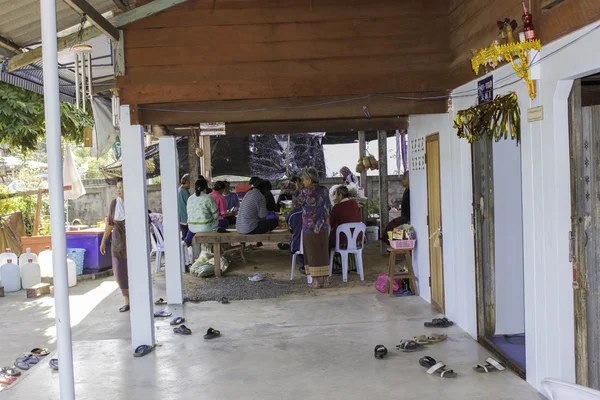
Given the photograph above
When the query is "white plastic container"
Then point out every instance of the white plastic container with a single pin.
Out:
(8, 255)
(45, 261)
(372, 233)
(71, 272)
(30, 274)
(10, 275)
(25, 257)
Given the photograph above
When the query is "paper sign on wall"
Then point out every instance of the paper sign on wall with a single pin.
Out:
(535, 114)
(212, 129)
(485, 90)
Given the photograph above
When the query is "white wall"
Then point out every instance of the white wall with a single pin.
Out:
(508, 229)
(549, 315)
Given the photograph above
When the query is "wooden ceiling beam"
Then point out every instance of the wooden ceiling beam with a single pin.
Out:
(284, 109)
(141, 12)
(85, 8)
(10, 45)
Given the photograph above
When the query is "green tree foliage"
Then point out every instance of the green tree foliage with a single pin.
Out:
(22, 120)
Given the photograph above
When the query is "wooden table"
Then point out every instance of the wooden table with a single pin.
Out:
(392, 274)
(217, 239)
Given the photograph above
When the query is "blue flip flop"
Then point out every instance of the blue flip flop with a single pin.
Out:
(142, 350)
(162, 313)
(54, 364)
(177, 321)
(22, 365)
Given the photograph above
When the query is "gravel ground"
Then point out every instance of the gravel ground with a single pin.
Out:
(237, 288)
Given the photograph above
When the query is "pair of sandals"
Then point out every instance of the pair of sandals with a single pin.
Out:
(182, 329)
(33, 357)
(431, 338)
(435, 367)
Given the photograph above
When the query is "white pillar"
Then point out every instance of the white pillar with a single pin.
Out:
(136, 223)
(169, 168)
(55, 185)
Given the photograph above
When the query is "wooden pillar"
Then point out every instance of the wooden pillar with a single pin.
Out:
(384, 212)
(169, 167)
(136, 221)
(206, 167)
(362, 149)
(194, 161)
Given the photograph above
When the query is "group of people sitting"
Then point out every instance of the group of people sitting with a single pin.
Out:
(312, 219)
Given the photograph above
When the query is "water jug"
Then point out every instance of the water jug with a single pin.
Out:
(10, 275)
(30, 274)
(24, 258)
(45, 261)
(71, 272)
(8, 254)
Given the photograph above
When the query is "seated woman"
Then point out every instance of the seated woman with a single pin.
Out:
(202, 211)
(271, 204)
(294, 221)
(252, 217)
(345, 211)
(221, 202)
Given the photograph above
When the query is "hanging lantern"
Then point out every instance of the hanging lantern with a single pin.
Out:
(83, 74)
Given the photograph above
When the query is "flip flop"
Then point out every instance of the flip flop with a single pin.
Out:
(491, 365)
(182, 330)
(439, 323)
(409, 346)
(9, 371)
(160, 302)
(7, 380)
(22, 365)
(177, 321)
(380, 351)
(162, 314)
(54, 364)
(436, 367)
(437, 337)
(256, 277)
(422, 339)
(142, 350)
(224, 300)
(29, 359)
(125, 308)
(40, 352)
(212, 333)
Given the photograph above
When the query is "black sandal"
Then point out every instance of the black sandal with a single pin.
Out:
(212, 333)
(182, 330)
(409, 346)
(125, 308)
(224, 300)
(380, 351)
(439, 323)
(160, 302)
(436, 367)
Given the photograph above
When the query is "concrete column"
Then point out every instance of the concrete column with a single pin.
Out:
(136, 222)
(169, 167)
(384, 213)
(55, 188)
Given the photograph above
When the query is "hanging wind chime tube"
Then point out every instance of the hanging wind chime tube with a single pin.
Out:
(116, 105)
(83, 75)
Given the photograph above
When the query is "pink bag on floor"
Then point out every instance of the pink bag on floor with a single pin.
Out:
(381, 284)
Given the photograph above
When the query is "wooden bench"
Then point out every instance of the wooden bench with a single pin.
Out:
(217, 239)
(38, 290)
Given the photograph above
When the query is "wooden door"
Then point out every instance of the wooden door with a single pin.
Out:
(434, 217)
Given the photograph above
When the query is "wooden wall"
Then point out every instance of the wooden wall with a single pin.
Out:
(472, 25)
(271, 49)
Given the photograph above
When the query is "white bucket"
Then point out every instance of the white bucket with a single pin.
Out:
(372, 233)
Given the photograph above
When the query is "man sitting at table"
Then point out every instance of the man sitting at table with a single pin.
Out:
(253, 217)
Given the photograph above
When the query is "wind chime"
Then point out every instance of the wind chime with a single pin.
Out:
(116, 107)
(83, 75)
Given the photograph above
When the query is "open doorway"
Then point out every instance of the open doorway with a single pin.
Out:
(584, 143)
(498, 235)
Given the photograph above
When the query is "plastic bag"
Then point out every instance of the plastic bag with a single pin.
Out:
(381, 284)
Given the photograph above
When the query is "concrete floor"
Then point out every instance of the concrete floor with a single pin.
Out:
(301, 348)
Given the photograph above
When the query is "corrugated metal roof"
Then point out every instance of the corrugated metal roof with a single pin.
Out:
(20, 19)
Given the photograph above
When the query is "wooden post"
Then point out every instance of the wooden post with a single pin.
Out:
(206, 167)
(362, 148)
(384, 212)
(38, 210)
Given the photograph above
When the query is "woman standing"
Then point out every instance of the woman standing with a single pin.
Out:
(202, 211)
(315, 203)
(115, 224)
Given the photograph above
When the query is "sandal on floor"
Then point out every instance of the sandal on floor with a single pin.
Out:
(212, 333)
(162, 314)
(436, 367)
(491, 365)
(125, 308)
(409, 346)
(422, 339)
(6, 380)
(142, 350)
(54, 364)
(29, 359)
(182, 330)
(224, 300)
(22, 365)
(160, 302)
(380, 351)
(436, 337)
(40, 352)
(10, 371)
(439, 323)
(177, 321)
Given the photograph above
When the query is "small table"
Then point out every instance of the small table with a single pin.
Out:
(392, 274)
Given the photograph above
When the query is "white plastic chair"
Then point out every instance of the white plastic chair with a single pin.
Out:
(559, 390)
(355, 246)
(157, 239)
(295, 256)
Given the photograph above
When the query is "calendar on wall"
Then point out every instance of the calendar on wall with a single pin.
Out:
(417, 154)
